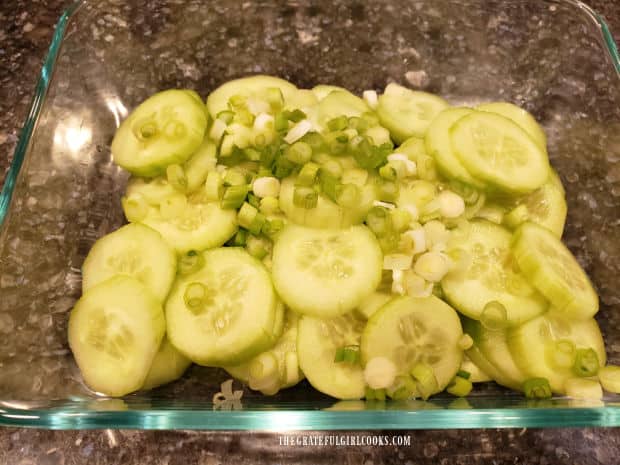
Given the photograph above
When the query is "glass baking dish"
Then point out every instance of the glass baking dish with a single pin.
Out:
(554, 57)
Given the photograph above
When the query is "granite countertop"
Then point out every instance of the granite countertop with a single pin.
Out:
(25, 32)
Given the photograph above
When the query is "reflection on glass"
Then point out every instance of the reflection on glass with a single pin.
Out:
(72, 134)
(117, 108)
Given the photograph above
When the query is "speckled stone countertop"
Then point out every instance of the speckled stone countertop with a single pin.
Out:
(25, 31)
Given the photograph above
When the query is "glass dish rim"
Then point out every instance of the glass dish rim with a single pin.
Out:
(282, 420)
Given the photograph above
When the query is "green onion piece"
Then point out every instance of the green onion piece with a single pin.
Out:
(257, 224)
(280, 122)
(307, 175)
(135, 207)
(237, 101)
(380, 395)
(234, 177)
(274, 97)
(352, 354)
(299, 153)
(253, 200)
(516, 217)
(176, 177)
(305, 197)
(369, 393)
(379, 221)
(387, 191)
(330, 186)
(263, 172)
(214, 187)
(424, 374)
(240, 238)
(195, 297)
(234, 196)
(463, 374)
(339, 357)
(494, 316)
(226, 116)
(359, 124)
(247, 215)
(537, 388)
(389, 243)
(371, 118)
(283, 167)
(252, 154)
(348, 195)
(564, 353)
(586, 363)
(295, 116)
(272, 226)
(403, 388)
(332, 168)
(191, 262)
(460, 387)
(269, 206)
(260, 141)
(227, 146)
(314, 140)
(145, 129)
(388, 172)
(401, 219)
(244, 117)
(257, 247)
(267, 157)
(338, 124)
(337, 143)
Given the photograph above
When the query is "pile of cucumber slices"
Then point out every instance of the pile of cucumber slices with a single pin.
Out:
(389, 246)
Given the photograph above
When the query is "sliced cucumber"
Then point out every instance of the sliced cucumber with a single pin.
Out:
(519, 116)
(115, 330)
(407, 113)
(326, 214)
(439, 146)
(476, 374)
(165, 129)
(262, 374)
(200, 163)
(197, 226)
(492, 275)
(301, 99)
(551, 267)
(230, 311)
(317, 343)
(133, 250)
(168, 365)
(409, 331)
(253, 86)
(480, 360)
(494, 149)
(554, 178)
(153, 190)
(338, 103)
(493, 346)
(372, 303)
(323, 272)
(321, 91)
(533, 346)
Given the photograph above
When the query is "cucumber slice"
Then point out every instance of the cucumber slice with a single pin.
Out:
(165, 129)
(372, 303)
(406, 112)
(317, 343)
(533, 346)
(553, 270)
(493, 346)
(519, 116)
(491, 276)
(134, 250)
(301, 98)
(480, 360)
(285, 373)
(554, 178)
(153, 190)
(325, 273)
(438, 145)
(279, 321)
(476, 374)
(168, 365)
(321, 91)
(326, 214)
(496, 150)
(253, 86)
(409, 331)
(200, 163)
(115, 330)
(198, 226)
(338, 103)
(233, 320)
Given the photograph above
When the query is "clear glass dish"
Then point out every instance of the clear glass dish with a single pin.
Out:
(554, 57)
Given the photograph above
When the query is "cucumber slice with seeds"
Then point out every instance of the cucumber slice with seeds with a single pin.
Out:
(409, 331)
(494, 149)
(168, 365)
(373, 303)
(553, 270)
(321, 91)
(134, 250)
(153, 190)
(317, 343)
(200, 164)
(325, 273)
(492, 275)
(338, 103)
(231, 316)
(519, 116)
(406, 113)
(533, 346)
(165, 129)
(115, 330)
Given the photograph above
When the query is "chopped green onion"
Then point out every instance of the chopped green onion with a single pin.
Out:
(274, 97)
(260, 141)
(307, 175)
(240, 238)
(298, 131)
(339, 357)
(389, 243)
(460, 387)
(564, 353)
(347, 354)
(388, 172)
(401, 219)
(357, 123)
(283, 167)
(338, 123)
(244, 117)
(191, 262)
(195, 297)
(253, 200)
(424, 374)
(425, 168)
(432, 266)
(257, 224)
(295, 116)
(272, 226)
(336, 142)
(227, 146)
(332, 168)
(280, 122)
(387, 191)
(516, 217)
(234, 177)
(537, 388)
(247, 215)
(314, 140)
(379, 221)
(299, 153)
(257, 247)
(252, 154)
(135, 207)
(451, 205)
(494, 316)
(403, 388)
(348, 195)
(234, 196)
(397, 261)
(237, 101)
(269, 206)
(463, 374)
(305, 197)
(586, 363)
(266, 187)
(371, 118)
(214, 186)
